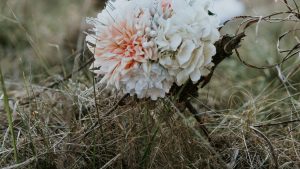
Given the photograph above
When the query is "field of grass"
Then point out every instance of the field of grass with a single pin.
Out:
(56, 116)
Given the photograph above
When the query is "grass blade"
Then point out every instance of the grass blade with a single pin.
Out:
(9, 115)
(147, 151)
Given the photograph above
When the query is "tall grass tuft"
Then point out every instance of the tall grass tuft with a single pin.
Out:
(9, 116)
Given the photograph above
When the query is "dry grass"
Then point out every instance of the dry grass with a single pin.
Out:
(252, 115)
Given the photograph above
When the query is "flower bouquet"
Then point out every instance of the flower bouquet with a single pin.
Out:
(144, 47)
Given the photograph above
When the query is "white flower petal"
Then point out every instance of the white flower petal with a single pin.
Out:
(195, 75)
(175, 42)
(185, 52)
(182, 77)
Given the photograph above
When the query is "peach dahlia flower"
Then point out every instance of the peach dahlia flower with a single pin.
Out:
(125, 52)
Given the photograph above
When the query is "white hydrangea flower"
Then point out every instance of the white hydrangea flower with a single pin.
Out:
(186, 40)
(147, 80)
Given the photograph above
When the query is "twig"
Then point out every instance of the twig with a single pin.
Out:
(199, 120)
(205, 142)
(224, 47)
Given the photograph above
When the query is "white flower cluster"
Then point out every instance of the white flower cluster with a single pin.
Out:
(143, 47)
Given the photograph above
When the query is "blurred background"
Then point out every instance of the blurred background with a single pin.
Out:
(42, 38)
